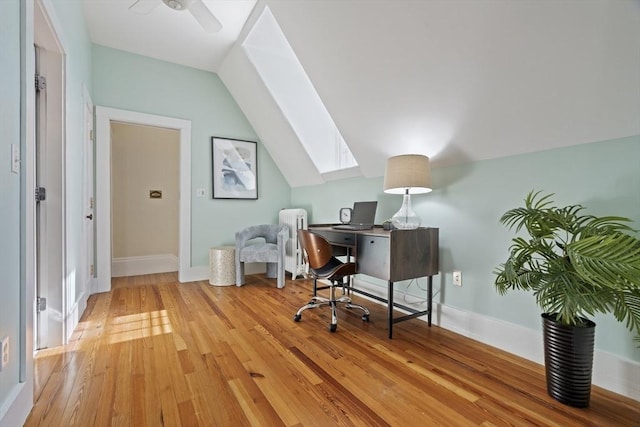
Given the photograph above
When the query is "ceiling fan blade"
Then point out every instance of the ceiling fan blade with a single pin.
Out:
(204, 17)
(144, 7)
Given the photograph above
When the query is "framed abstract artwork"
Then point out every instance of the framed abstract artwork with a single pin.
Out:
(235, 168)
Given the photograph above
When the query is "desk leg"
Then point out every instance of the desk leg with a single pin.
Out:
(390, 310)
(349, 278)
(429, 298)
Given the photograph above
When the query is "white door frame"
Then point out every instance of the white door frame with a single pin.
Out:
(104, 117)
(88, 199)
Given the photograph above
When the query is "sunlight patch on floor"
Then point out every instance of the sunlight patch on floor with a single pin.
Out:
(140, 325)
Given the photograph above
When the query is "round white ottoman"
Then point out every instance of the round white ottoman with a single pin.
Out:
(222, 266)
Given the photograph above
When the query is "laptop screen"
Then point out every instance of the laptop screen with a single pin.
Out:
(364, 213)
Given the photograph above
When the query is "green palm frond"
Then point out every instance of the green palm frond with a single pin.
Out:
(575, 264)
(607, 261)
(532, 213)
(627, 309)
(603, 225)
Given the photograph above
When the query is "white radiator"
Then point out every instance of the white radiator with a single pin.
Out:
(296, 219)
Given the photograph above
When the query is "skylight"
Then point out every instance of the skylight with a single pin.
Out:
(270, 53)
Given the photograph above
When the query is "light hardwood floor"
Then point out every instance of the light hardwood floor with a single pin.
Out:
(155, 352)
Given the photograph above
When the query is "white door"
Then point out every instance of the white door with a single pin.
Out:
(42, 294)
(50, 214)
(89, 200)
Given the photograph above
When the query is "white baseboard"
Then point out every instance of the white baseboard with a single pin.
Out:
(150, 264)
(201, 272)
(619, 375)
(194, 274)
(610, 372)
(74, 315)
(17, 405)
(515, 339)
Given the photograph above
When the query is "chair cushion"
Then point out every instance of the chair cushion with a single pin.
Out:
(260, 252)
(334, 269)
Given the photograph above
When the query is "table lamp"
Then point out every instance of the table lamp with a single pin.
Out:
(407, 174)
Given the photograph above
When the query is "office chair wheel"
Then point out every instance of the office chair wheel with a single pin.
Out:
(365, 317)
(333, 328)
(297, 317)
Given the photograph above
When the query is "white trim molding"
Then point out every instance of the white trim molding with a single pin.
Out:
(148, 264)
(104, 117)
(201, 272)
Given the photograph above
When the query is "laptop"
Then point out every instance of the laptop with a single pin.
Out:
(362, 217)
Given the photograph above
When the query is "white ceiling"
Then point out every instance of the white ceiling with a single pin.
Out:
(469, 80)
(167, 34)
(458, 81)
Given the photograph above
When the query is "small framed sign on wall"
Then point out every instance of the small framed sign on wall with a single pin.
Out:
(235, 168)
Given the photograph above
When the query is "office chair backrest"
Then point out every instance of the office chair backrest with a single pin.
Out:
(318, 250)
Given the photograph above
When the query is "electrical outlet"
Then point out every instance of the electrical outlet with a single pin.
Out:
(4, 352)
(457, 278)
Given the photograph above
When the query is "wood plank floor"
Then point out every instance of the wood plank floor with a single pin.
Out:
(155, 352)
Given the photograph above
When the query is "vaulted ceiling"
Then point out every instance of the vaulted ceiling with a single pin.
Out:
(167, 34)
(459, 81)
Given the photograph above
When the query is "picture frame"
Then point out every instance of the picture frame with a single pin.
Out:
(235, 168)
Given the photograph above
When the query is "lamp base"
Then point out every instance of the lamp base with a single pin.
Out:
(405, 218)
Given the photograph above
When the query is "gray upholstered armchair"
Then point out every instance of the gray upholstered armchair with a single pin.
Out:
(271, 250)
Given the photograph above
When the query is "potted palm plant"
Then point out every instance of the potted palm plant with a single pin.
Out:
(576, 265)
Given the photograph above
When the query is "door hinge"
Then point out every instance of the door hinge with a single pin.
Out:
(91, 271)
(41, 194)
(41, 83)
(91, 135)
(41, 304)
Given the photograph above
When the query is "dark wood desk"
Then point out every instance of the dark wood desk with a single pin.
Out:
(392, 256)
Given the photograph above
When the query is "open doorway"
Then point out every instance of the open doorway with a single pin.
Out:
(104, 249)
(145, 185)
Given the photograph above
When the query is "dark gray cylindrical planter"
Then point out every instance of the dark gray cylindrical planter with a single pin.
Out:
(568, 360)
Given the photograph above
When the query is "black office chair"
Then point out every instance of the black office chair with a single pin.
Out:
(323, 265)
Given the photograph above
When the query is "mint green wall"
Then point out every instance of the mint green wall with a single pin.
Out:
(9, 190)
(137, 83)
(468, 200)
